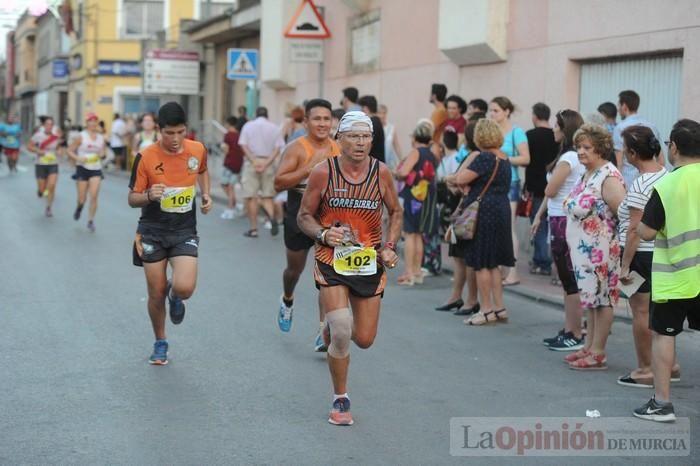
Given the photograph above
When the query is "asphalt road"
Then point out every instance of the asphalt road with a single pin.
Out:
(75, 386)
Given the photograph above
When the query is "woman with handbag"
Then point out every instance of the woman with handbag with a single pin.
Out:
(419, 200)
(490, 245)
(463, 275)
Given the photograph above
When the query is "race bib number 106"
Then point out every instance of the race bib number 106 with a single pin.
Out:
(177, 200)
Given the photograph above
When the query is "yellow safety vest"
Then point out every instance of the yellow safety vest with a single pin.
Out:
(675, 272)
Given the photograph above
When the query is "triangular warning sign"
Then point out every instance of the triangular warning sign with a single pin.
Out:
(242, 65)
(307, 23)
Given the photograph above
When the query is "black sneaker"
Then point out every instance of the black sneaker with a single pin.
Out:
(275, 227)
(76, 214)
(549, 341)
(176, 305)
(653, 411)
(567, 342)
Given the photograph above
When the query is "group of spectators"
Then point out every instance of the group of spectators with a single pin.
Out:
(586, 188)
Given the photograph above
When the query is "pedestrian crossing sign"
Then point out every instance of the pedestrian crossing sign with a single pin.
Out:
(242, 64)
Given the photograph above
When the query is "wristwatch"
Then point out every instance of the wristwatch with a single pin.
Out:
(321, 235)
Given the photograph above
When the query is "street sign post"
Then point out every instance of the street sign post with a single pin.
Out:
(308, 26)
(171, 72)
(242, 64)
(307, 23)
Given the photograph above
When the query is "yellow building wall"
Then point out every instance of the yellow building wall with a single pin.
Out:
(101, 41)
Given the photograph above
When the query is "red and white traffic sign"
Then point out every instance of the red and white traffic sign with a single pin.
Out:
(307, 23)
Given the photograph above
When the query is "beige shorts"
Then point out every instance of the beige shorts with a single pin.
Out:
(254, 184)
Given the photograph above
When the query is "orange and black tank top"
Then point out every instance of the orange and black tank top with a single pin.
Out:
(295, 194)
(358, 205)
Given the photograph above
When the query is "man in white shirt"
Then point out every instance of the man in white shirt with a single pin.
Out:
(261, 141)
(116, 142)
(628, 105)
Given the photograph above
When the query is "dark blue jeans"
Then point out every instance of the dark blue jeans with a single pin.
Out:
(540, 257)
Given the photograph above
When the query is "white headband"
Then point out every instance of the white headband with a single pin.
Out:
(353, 118)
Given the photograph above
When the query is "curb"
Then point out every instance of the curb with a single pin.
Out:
(551, 301)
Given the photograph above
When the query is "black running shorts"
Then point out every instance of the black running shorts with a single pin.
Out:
(43, 171)
(363, 286)
(154, 248)
(83, 174)
(294, 238)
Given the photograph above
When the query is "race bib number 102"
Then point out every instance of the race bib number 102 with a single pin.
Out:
(355, 260)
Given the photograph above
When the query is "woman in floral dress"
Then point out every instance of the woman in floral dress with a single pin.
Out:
(591, 233)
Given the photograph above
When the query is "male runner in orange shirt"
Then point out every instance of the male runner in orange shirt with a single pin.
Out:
(299, 158)
(163, 181)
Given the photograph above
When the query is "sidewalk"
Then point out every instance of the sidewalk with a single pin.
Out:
(536, 287)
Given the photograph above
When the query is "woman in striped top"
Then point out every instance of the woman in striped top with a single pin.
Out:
(640, 148)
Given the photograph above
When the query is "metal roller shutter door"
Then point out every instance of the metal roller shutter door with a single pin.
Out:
(657, 80)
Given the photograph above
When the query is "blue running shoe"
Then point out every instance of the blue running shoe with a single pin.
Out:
(176, 306)
(160, 353)
(319, 344)
(284, 318)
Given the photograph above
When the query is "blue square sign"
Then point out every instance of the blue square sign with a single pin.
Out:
(242, 64)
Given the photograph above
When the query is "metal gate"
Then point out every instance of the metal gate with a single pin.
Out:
(657, 80)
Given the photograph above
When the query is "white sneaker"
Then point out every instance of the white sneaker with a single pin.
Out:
(227, 214)
(268, 225)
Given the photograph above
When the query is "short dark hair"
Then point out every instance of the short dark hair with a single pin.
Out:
(242, 108)
(479, 104)
(351, 93)
(261, 112)
(541, 111)
(608, 109)
(338, 113)
(232, 120)
(439, 91)
(368, 101)
(313, 103)
(459, 101)
(629, 98)
(116, 115)
(450, 139)
(685, 134)
(171, 114)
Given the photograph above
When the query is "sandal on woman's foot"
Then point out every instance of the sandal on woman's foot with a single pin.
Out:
(592, 362)
(418, 279)
(482, 318)
(405, 281)
(252, 233)
(501, 315)
(582, 353)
